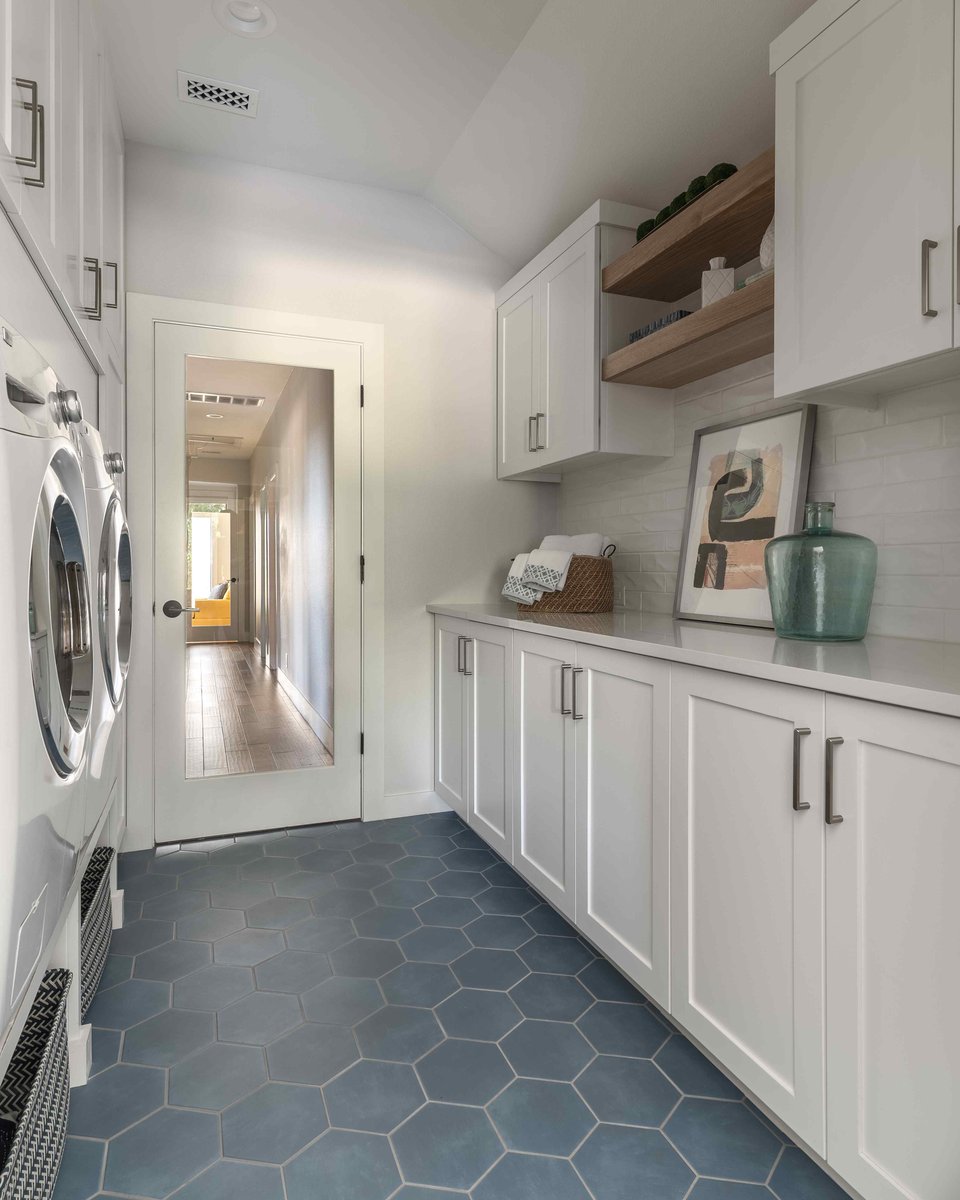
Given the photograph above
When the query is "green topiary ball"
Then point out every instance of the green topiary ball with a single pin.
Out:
(697, 186)
(646, 227)
(678, 202)
(720, 171)
(662, 215)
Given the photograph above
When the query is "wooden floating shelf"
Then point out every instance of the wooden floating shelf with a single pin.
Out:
(730, 331)
(729, 220)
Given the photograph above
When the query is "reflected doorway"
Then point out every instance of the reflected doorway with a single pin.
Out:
(259, 508)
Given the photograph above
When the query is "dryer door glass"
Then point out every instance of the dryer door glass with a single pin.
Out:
(114, 607)
(59, 617)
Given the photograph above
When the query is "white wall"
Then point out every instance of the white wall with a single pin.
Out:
(210, 229)
(296, 449)
(893, 472)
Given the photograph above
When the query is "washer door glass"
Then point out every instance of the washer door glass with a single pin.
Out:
(59, 618)
(115, 603)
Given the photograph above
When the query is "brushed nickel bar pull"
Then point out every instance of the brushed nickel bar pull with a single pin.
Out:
(531, 436)
(93, 266)
(31, 159)
(467, 641)
(541, 445)
(116, 286)
(925, 247)
(577, 716)
(460, 640)
(564, 711)
(798, 736)
(831, 817)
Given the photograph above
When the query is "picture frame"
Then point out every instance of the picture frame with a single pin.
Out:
(748, 484)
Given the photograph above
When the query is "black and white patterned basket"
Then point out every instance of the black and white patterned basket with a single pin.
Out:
(35, 1096)
(96, 923)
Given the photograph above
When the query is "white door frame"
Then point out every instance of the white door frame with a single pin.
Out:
(144, 313)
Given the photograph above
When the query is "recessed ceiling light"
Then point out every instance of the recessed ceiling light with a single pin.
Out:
(214, 416)
(245, 17)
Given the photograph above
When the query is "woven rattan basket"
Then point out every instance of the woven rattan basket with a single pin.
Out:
(589, 589)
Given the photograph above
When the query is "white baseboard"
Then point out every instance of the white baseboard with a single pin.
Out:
(403, 804)
(116, 909)
(306, 710)
(80, 1055)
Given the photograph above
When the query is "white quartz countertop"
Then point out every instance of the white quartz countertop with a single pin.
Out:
(905, 671)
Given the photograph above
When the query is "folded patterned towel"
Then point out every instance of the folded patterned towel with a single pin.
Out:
(575, 543)
(515, 588)
(547, 569)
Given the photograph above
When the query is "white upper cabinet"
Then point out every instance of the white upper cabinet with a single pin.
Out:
(554, 324)
(91, 174)
(746, 884)
(518, 379)
(111, 271)
(893, 966)
(61, 162)
(864, 191)
(569, 381)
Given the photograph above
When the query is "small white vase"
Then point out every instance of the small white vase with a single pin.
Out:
(717, 282)
(766, 248)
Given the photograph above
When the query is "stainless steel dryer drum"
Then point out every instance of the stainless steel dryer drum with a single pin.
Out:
(59, 617)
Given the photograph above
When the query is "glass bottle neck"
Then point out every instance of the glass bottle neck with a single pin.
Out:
(818, 516)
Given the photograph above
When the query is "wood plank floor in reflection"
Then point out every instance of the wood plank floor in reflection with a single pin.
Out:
(239, 719)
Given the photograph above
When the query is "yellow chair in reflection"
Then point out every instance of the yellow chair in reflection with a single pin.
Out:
(213, 613)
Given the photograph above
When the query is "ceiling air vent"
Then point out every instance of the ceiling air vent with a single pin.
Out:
(218, 398)
(214, 93)
(205, 446)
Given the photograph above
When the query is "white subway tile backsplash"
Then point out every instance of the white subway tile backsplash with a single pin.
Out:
(894, 472)
(891, 439)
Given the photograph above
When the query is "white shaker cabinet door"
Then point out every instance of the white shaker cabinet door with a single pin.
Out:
(544, 833)
(489, 687)
(568, 421)
(518, 381)
(864, 188)
(747, 884)
(893, 957)
(450, 767)
(623, 815)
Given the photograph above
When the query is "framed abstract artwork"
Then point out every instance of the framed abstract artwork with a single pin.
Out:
(748, 484)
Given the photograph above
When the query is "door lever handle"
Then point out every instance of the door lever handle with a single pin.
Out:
(173, 608)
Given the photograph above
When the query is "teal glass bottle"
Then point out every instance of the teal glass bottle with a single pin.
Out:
(820, 580)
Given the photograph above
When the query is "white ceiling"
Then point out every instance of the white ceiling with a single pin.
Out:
(512, 116)
(226, 377)
(369, 91)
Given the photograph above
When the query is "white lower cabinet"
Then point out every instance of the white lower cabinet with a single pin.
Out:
(893, 962)
(488, 678)
(774, 866)
(544, 827)
(622, 812)
(474, 727)
(450, 754)
(747, 884)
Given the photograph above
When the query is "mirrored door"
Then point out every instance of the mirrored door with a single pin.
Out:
(258, 606)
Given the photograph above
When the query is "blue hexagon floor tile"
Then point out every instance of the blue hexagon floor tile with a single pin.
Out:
(388, 1012)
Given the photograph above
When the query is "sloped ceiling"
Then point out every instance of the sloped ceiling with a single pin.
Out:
(511, 116)
(621, 99)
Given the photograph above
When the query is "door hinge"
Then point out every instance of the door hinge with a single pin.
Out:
(361, 743)
(363, 568)
(361, 395)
